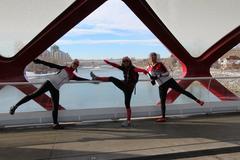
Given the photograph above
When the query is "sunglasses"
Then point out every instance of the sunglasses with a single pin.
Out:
(75, 64)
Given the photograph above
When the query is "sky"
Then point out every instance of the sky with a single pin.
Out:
(111, 31)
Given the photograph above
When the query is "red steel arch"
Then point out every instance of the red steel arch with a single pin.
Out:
(63, 23)
(82, 8)
(204, 62)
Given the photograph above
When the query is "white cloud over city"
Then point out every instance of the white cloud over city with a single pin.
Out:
(112, 17)
(95, 42)
(111, 30)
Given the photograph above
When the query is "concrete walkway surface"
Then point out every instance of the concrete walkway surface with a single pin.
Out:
(206, 137)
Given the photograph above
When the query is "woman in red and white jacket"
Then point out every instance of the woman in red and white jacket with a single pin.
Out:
(52, 85)
(160, 75)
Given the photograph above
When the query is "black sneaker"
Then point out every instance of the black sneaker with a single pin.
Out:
(93, 76)
(12, 110)
(57, 126)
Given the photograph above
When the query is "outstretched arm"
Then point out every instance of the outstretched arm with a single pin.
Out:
(136, 69)
(112, 64)
(51, 65)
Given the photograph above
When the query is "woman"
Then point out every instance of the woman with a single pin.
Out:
(130, 73)
(52, 85)
(159, 73)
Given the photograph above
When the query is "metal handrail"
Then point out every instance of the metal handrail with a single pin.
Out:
(141, 80)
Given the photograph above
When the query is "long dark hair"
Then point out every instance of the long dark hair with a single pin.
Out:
(127, 59)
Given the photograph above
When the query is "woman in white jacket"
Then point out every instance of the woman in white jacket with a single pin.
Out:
(52, 85)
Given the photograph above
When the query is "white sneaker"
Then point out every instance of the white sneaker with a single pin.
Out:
(126, 124)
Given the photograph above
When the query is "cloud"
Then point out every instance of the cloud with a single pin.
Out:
(101, 42)
(114, 18)
(116, 15)
(93, 31)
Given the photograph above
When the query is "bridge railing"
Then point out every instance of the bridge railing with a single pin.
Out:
(86, 100)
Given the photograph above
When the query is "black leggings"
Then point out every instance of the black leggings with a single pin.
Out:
(175, 86)
(126, 88)
(47, 86)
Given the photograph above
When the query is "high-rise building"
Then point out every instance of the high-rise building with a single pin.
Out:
(54, 55)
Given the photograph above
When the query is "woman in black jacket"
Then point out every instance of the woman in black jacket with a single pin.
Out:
(130, 73)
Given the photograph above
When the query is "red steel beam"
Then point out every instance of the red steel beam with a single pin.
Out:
(191, 66)
(13, 68)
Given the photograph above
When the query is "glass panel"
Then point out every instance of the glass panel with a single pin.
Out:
(22, 20)
(198, 24)
(106, 95)
(10, 95)
(199, 91)
(228, 66)
(173, 65)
